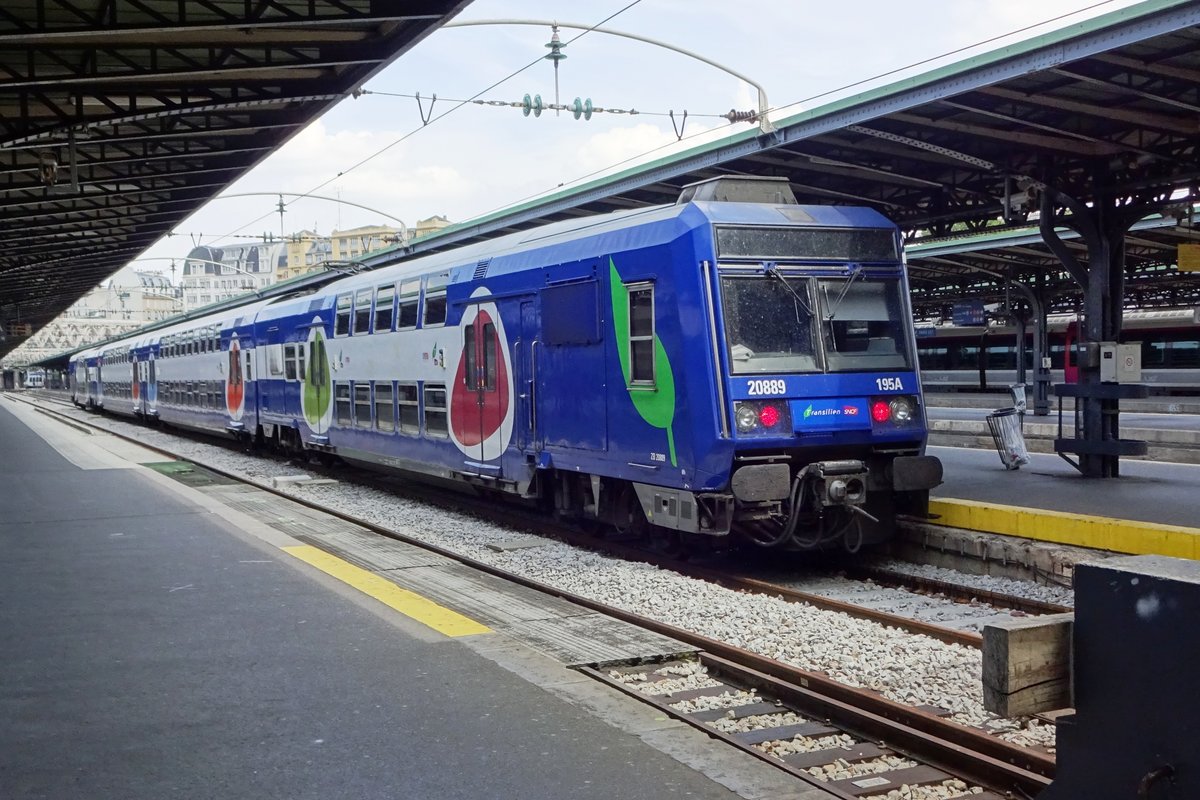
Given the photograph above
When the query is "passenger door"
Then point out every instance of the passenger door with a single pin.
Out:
(479, 406)
(527, 412)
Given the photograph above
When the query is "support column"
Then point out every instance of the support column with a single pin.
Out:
(1102, 229)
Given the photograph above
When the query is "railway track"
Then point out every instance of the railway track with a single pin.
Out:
(843, 747)
(922, 735)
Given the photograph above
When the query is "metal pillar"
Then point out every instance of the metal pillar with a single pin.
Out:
(1102, 229)
(1041, 375)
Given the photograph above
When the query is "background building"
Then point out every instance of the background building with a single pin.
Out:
(211, 274)
(122, 304)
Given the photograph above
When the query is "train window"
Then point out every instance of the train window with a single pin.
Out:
(341, 324)
(249, 376)
(274, 360)
(471, 371)
(300, 361)
(435, 309)
(1185, 354)
(341, 402)
(1001, 357)
(865, 326)
(435, 300)
(362, 405)
(489, 357)
(385, 407)
(641, 334)
(435, 410)
(362, 312)
(410, 298)
(410, 407)
(768, 325)
(571, 313)
(289, 362)
(1154, 354)
(823, 244)
(385, 307)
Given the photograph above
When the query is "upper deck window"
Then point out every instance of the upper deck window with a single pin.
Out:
(809, 244)
(341, 325)
(435, 300)
(362, 312)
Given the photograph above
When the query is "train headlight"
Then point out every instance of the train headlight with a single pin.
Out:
(902, 410)
(747, 418)
(762, 418)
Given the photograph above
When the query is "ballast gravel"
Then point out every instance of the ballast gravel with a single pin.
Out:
(902, 666)
(1045, 592)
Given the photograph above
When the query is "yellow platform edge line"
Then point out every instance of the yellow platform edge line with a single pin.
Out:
(1062, 527)
(410, 604)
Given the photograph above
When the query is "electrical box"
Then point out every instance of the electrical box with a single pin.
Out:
(1120, 363)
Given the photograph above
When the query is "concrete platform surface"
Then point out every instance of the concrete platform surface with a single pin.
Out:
(1151, 508)
(150, 647)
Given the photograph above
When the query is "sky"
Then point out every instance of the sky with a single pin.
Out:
(478, 159)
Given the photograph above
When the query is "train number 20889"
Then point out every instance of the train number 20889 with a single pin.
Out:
(760, 388)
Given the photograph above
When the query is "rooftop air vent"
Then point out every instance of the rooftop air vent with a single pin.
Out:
(740, 189)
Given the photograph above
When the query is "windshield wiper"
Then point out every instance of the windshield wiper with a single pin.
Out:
(771, 269)
(855, 271)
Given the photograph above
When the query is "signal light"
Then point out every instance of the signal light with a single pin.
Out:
(768, 416)
(881, 411)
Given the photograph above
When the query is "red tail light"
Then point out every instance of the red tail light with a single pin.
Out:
(881, 411)
(768, 416)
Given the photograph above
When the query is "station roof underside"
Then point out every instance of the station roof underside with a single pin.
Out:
(118, 120)
(1105, 108)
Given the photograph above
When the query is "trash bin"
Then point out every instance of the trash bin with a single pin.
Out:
(1005, 425)
(1017, 391)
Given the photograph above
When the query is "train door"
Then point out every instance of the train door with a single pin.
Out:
(98, 385)
(135, 386)
(479, 398)
(527, 415)
(269, 398)
(150, 395)
(1070, 368)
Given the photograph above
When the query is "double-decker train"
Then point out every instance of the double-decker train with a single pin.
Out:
(734, 363)
(981, 358)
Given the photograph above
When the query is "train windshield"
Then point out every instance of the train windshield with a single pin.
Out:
(769, 324)
(864, 326)
(796, 324)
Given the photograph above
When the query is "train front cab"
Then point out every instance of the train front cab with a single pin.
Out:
(823, 402)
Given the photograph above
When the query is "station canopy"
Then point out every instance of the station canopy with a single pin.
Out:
(1108, 108)
(119, 119)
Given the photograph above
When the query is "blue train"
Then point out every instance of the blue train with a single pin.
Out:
(735, 363)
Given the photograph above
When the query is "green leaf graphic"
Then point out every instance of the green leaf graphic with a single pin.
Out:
(316, 382)
(656, 406)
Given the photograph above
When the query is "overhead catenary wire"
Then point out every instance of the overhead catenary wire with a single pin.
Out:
(680, 138)
(431, 121)
(729, 115)
(809, 99)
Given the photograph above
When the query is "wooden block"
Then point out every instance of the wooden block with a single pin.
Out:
(1027, 665)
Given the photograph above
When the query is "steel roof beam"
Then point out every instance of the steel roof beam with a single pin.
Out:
(1130, 90)
(1132, 116)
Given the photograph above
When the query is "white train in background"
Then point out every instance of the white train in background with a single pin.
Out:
(954, 358)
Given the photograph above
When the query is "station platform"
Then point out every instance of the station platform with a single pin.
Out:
(1148, 510)
(166, 634)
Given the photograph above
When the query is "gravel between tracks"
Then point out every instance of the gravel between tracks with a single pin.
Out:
(902, 666)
